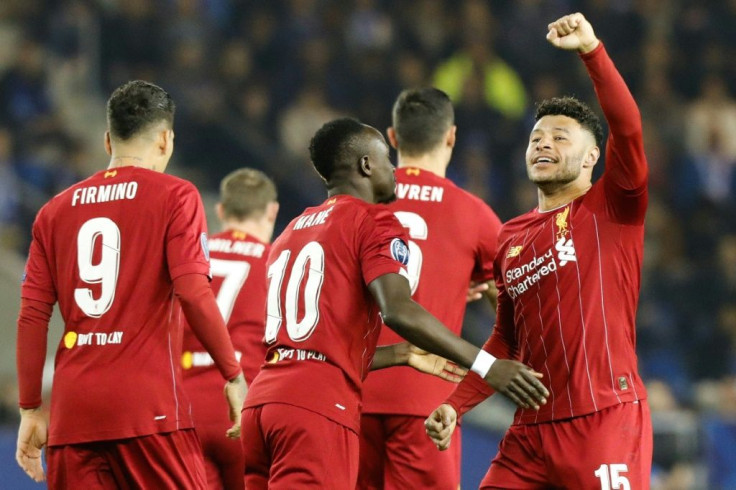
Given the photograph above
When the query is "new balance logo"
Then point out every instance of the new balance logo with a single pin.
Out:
(565, 251)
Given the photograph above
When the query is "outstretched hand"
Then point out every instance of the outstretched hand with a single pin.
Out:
(32, 437)
(235, 391)
(572, 32)
(429, 363)
(440, 425)
(518, 382)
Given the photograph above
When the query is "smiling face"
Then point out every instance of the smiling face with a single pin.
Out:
(560, 151)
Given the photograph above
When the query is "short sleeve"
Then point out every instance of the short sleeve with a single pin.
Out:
(37, 282)
(488, 226)
(383, 245)
(186, 236)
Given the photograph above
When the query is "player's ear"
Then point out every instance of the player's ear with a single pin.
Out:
(450, 136)
(364, 166)
(272, 211)
(592, 157)
(393, 141)
(165, 141)
(220, 211)
(108, 145)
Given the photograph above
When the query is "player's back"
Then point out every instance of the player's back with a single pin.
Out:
(238, 266)
(452, 240)
(322, 322)
(113, 244)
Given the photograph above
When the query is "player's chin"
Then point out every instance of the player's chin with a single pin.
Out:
(388, 199)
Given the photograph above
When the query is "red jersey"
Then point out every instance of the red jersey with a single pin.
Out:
(108, 249)
(453, 237)
(323, 323)
(238, 267)
(569, 278)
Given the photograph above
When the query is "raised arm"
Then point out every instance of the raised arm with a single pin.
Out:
(626, 165)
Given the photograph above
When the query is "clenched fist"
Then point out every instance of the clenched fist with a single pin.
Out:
(440, 425)
(572, 32)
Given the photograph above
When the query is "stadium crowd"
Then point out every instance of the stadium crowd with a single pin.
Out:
(253, 81)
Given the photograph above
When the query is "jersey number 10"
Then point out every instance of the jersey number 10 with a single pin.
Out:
(298, 330)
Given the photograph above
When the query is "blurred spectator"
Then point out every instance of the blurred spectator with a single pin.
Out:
(502, 87)
(302, 119)
(368, 28)
(720, 435)
(709, 170)
(24, 100)
(10, 211)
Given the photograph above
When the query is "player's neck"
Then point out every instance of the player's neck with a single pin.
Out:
(430, 162)
(258, 229)
(126, 159)
(554, 197)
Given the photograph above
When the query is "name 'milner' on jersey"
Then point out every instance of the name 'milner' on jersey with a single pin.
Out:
(322, 322)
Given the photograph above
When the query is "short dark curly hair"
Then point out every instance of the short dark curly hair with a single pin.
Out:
(575, 109)
(330, 147)
(136, 105)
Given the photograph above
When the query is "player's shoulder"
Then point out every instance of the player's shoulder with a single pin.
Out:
(64, 196)
(170, 181)
(514, 225)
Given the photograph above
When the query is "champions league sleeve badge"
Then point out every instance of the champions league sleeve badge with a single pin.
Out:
(399, 251)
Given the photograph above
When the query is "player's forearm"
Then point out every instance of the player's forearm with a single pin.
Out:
(33, 325)
(615, 99)
(204, 318)
(625, 158)
(469, 392)
(473, 389)
(419, 327)
(390, 355)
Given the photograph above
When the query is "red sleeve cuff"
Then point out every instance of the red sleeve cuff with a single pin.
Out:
(470, 392)
(592, 54)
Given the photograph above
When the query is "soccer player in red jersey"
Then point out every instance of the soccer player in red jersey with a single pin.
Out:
(332, 271)
(247, 211)
(117, 251)
(452, 241)
(568, 277)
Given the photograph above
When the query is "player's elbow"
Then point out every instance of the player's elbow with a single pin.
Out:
(397, 315)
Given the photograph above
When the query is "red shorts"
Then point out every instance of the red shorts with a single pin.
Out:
(171, 460)
(223, 457)
(604, 450)
(288, 447)
(395, 453)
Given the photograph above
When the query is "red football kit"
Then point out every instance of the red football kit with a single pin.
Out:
(452, 240)
(110, 249)
(322, 327)
(569, 282)
(238, 262)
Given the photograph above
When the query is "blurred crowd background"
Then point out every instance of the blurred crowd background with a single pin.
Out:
(253, 80)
